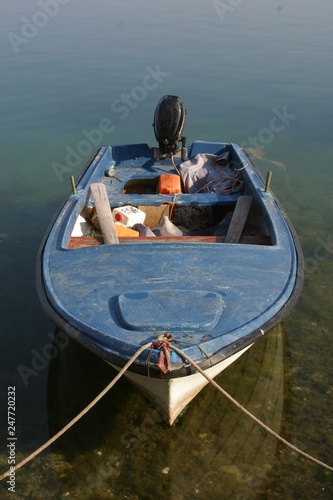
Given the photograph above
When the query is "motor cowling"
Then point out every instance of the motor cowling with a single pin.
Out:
(169, 121)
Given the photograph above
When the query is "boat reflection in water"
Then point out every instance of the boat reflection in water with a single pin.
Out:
(123, 446)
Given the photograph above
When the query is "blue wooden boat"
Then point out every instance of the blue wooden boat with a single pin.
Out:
(173, 245)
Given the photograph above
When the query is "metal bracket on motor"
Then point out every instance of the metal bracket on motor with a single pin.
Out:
(179, 153)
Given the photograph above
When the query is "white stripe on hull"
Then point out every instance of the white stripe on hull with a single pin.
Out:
(171, 396)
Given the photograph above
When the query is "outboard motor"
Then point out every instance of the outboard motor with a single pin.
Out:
(169, 121)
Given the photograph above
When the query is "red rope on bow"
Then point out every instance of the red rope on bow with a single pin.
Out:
(163, 344)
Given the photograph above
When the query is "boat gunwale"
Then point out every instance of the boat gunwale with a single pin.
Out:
(183, 370)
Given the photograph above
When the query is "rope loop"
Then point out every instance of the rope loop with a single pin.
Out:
(163, 343)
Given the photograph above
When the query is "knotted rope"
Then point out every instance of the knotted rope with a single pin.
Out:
(164, 342)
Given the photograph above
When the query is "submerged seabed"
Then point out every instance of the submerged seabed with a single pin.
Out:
(122, 448)
(237, 66)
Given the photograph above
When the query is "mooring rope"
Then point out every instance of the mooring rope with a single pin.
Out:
(197, 367)
(249, 414)
(80, 415)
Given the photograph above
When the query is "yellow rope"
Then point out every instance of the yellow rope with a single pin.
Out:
(80, 415)
(244, 410)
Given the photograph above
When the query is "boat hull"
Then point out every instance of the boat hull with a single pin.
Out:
(214, 294)
(171, 396)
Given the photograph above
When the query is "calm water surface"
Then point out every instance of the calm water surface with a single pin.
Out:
(75, 74)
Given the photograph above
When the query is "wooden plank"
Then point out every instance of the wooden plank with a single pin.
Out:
(103, 210)
(238, 219)
(258, 239)
(84, 241)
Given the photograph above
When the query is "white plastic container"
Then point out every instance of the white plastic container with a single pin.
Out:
(128, 216)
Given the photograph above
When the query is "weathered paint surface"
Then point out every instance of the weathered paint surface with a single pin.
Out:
(211, 296)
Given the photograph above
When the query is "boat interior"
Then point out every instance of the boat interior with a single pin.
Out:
(156, 209)
(172, 193)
